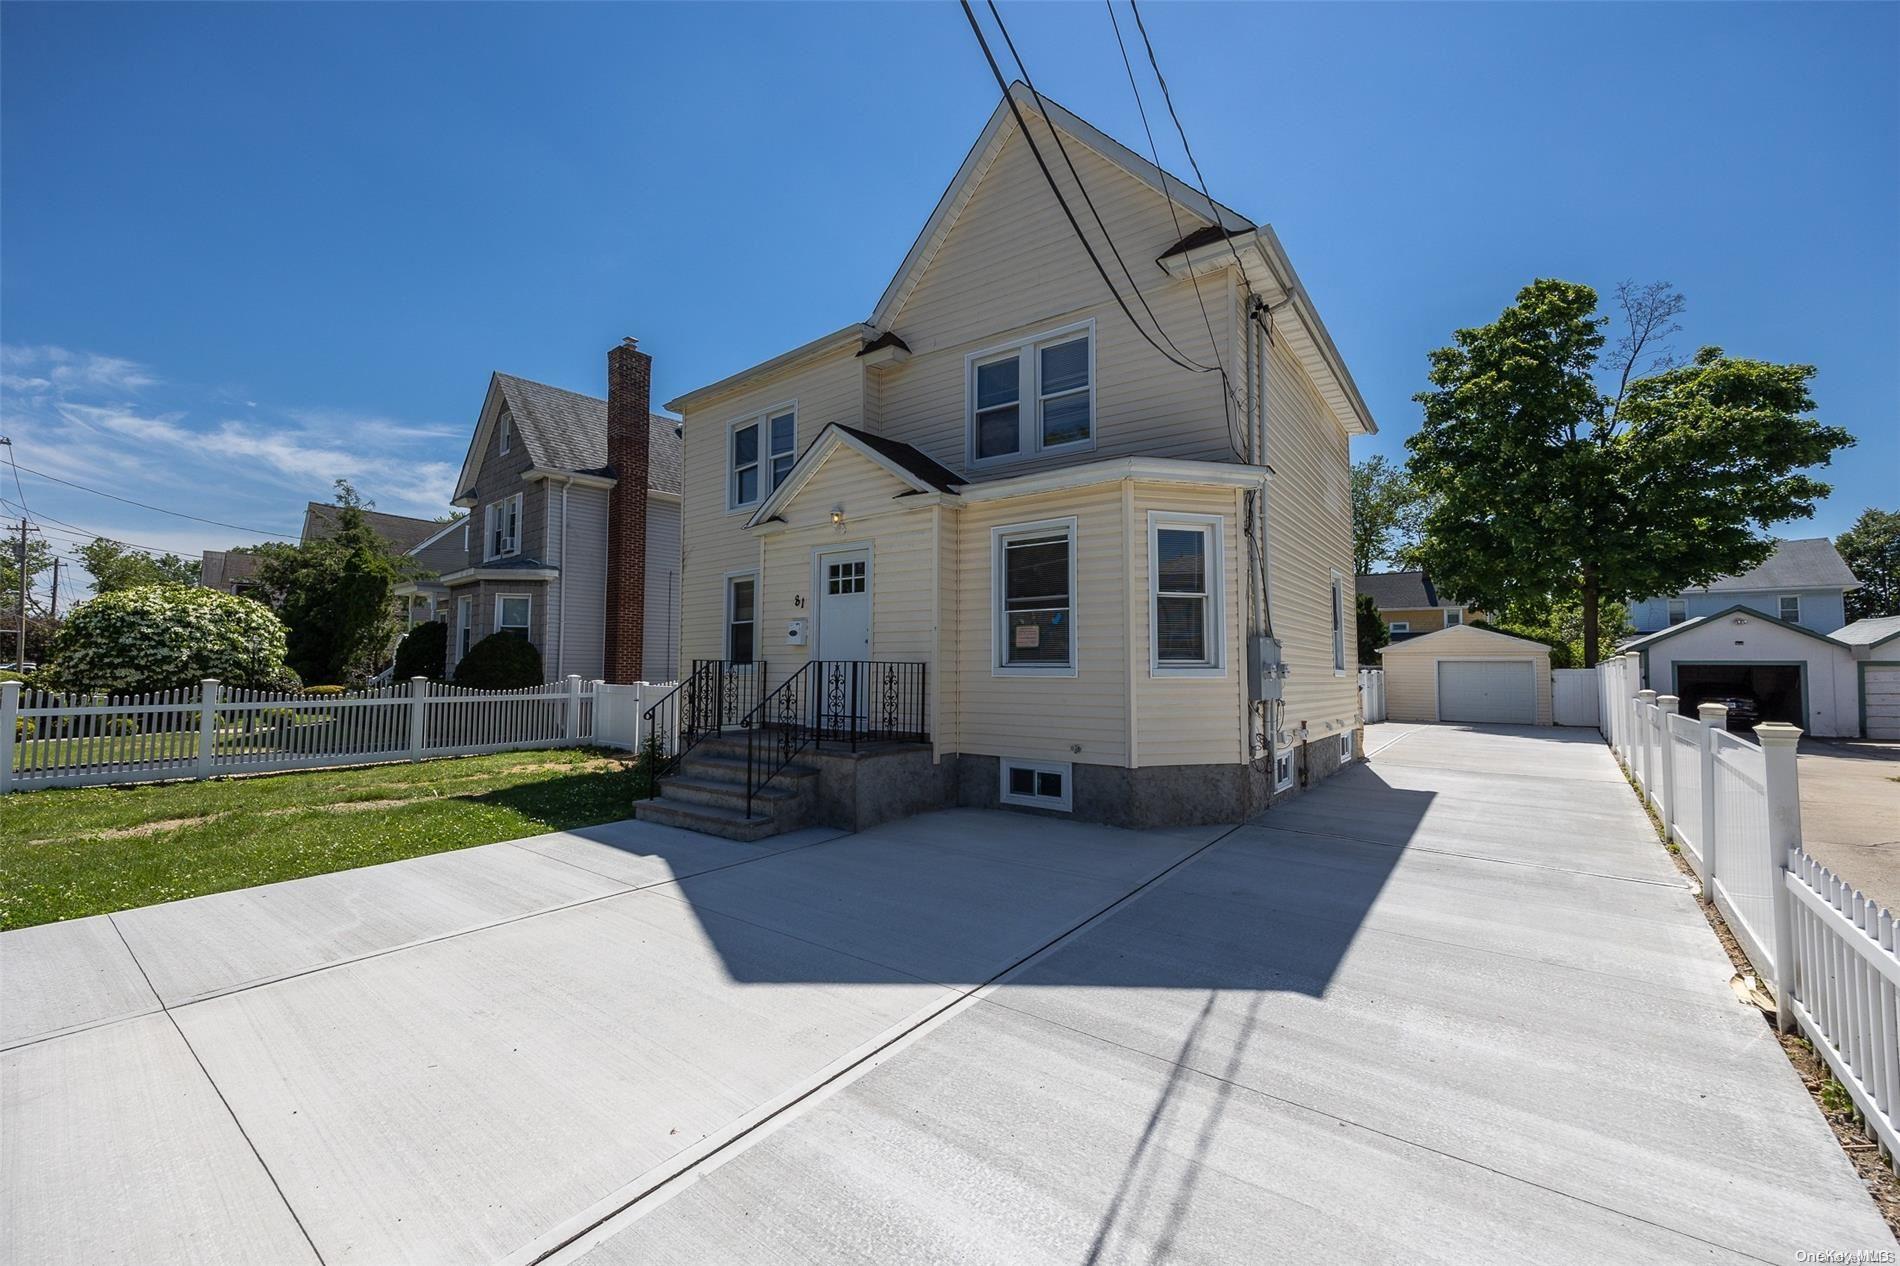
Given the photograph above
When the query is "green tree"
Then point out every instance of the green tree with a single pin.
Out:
(335, 595)
(114, 566)
(1871, 549)
(39, 562)
(1386, 513)
(1373, 630)
(160, 637)
(1549, 470)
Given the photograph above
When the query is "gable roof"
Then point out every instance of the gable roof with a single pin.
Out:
(1807, 563)
(1459, 632)
(565, 430)
(401, 531)
(905, 463)
(1870, 632)
(1399, 590)
(1676, 630)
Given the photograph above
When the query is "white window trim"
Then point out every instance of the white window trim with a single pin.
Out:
(525, 628)
(1345, 747)
(1028, 398)
(1342, 643)
(819, 554)
(725, 622)
(1283, 759)
(1065, 802)
(998, 616)
(1781, 601)
(1211, 525)
(506, 426)
(1399, 626)
(1454, 616)
(489, 553)
(761, 418)
(464, 625)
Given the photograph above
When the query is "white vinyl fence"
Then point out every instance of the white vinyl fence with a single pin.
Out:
(208, 730)
(1734, 809)
(1573, 696)
(1372, 694)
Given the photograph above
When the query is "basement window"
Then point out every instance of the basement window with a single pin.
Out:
(1283, 770)
(1345, 747)
(1036, 785)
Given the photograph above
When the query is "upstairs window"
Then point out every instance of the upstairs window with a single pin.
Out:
(1678, 610)
(507, 429)
(761, 451)
(1791, 607)
(1035, 595)
(1033, 397)
(503, 534)
(1453, 617)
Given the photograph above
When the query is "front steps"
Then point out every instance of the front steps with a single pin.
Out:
(707, 794)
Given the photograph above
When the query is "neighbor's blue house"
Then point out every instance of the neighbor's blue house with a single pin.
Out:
(1803, 582)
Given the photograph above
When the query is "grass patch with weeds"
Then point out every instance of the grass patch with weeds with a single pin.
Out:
(67, 853)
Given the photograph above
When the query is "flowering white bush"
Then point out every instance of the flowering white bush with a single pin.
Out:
(158, 637)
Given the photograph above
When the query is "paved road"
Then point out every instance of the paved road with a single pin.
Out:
(1452, 1005)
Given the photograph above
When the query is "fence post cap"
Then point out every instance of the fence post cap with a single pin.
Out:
(10, 687)
(1777, 734)
(1647, 696)
(420, 677)
(1668, 701)
(1712, 711)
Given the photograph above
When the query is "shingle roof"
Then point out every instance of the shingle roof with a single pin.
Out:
(912, 459)
(565, 430)
(1809, 563)
(402, 532)
(1869, 632)
(1399, 590)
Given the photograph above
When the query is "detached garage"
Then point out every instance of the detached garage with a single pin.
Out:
(1469, 676)
(1779, 671)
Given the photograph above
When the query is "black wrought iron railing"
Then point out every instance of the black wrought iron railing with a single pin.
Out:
(716, 696)
(841, 702)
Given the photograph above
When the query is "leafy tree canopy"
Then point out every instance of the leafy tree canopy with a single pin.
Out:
(1387, 512)
(1551, 470)
(115, 567)
(1374, 633)
(39, 561)
(1871, 549)
(335, 595)
(160, 637)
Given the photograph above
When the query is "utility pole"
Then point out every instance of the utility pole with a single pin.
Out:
(19, 576)
(56, 588)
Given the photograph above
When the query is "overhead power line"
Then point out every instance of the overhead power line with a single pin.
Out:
(143, 505)
(74, 531)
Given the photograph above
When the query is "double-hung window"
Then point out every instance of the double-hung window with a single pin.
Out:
(1339, 623)
(742, 619)
(1453, 617)
(511, 613)
(1678, 610)
(1791, 607)
(760, 453)
(1033, 397)
(1035, 599)
(503, 528)
(1184, 552)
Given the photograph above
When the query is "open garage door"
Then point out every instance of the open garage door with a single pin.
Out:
(1775, 689)
(1880, 699)
(1480, 691)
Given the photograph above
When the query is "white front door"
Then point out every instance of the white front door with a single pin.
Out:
(844, 604)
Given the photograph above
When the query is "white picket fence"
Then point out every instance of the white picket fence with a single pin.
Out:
(209, 730)
(1734, 809)
(1372, 694)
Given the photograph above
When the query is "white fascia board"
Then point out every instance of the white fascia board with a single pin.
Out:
(499, 573)
(855, 333)
(829, 441)
(568, 477)
(478, 443)
(1165, 470)
(1267, 243)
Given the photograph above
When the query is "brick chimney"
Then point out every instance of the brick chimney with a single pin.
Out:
(629, 392)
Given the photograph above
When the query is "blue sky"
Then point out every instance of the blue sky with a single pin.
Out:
(245, 249)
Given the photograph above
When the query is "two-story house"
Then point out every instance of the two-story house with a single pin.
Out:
(1410, 603)
(1093, 576)
(571, 537)
(1804, 582)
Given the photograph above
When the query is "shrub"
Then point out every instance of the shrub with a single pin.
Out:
(325, 691)
(7, 674)
(423, 652)
(161, 637)
(500, 661)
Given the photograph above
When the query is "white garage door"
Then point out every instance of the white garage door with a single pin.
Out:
(1882, 700)
(1487, 690)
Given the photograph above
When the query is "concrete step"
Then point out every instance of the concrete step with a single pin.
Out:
(708, 819)
(712, 765)
(723, 793)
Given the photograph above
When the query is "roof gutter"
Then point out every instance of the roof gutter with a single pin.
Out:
(853, 335)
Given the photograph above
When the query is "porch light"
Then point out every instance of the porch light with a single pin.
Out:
(837, 517)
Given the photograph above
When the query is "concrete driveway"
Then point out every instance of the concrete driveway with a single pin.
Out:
(1850, 812)
(1451, 1005)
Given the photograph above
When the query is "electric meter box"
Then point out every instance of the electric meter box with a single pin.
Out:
(1265, 671)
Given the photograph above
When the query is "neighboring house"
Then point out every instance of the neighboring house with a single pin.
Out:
(1079, 546)
(228, 571)
(1803, 582)
(1411, 605)
(572, 533)
(1874, 644)
(234, 571)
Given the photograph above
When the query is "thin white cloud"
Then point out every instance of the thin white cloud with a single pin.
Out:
(64, 369)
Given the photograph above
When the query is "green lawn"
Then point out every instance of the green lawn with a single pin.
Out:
(65, 853)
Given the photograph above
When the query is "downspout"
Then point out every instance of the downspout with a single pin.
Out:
(560, 583)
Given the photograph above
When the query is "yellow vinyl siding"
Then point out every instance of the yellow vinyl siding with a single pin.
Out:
(1411, 670)
(1010, 267)
(715, 541)
(1188, 720)
(1309, 536)
(1042, 717)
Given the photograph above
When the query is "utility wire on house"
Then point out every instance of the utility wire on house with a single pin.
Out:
(144, 505)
